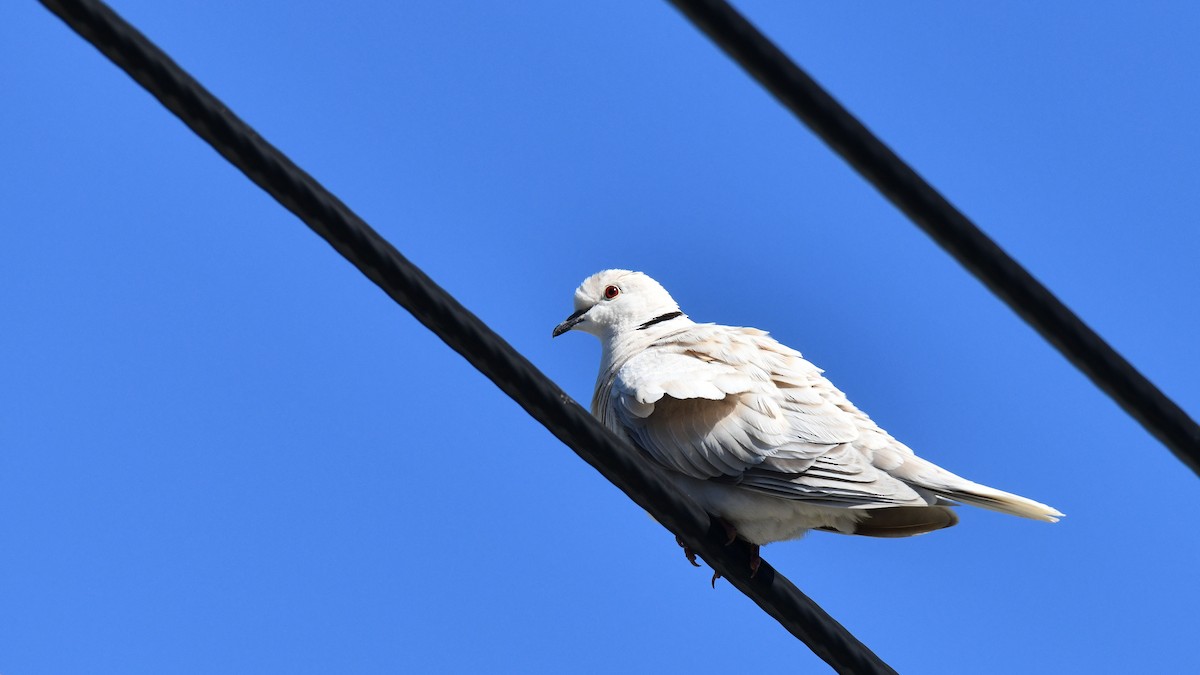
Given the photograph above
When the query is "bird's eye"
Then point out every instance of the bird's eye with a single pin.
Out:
(611, 292)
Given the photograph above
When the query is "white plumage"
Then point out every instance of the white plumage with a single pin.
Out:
(752, 431)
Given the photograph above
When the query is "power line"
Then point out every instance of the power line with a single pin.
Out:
(952, 230)
(465, 333)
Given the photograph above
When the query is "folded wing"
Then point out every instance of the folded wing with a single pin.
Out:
(731, 404)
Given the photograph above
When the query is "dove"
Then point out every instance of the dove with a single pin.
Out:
(755, 433)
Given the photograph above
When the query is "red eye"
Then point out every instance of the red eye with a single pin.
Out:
(611, 292)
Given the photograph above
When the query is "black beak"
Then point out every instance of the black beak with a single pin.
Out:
(569, 323)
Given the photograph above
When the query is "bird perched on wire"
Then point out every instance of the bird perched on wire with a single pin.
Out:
(755, 433)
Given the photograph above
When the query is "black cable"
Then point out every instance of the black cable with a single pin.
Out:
(437, 310)
(947, 226)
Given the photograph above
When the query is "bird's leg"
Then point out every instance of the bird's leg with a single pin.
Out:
(755, 560)
(731, 535)
(731, 532)
(755, 563)
(687, 552)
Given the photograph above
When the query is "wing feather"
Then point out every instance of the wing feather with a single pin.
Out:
(731, 403)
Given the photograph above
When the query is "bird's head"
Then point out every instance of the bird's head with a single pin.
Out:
(615, 301)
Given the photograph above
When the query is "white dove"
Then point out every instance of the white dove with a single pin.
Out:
(752, 431)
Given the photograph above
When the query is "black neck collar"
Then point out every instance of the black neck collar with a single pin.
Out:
(659, 319)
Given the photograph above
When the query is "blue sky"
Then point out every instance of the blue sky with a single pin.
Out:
(223, 450)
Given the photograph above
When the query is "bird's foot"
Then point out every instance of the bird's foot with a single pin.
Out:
(755, 563)
(687, 552)
(731, 535)
(731, 532)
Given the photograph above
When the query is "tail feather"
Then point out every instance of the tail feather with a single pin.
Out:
(920, 473)
(904, 521)
(1004, 502)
